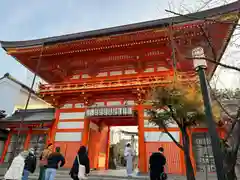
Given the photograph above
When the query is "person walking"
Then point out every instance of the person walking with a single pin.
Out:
(43, 160)
(53, 164)
(81, 158)
(128, 154)
(15, 171)
(157, 161)
(30, 164)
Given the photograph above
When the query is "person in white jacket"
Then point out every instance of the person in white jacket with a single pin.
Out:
(15, 171)
(128, 154)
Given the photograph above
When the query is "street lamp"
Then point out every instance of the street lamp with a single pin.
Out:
(200, 65)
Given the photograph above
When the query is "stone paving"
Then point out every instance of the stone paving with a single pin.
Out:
(63, 174)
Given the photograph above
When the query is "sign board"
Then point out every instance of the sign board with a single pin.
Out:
(109, 111)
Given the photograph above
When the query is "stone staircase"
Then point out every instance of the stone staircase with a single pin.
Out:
(95, 175)
(63, 174)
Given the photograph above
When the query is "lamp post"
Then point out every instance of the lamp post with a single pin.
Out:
(200, 65)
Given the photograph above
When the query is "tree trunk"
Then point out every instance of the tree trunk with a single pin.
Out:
(186, 145)
(231, 174)
(231, 152)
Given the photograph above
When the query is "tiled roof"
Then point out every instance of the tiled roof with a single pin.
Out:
(47, 114)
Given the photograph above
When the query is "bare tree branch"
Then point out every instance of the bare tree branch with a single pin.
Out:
(170, 135)
(216, 62)
(234, 119)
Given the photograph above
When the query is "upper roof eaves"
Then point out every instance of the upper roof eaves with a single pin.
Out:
(235, 6)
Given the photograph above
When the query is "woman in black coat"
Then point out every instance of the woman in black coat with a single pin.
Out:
(84, 160)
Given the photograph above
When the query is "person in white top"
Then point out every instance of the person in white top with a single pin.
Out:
(15, 171)
(128, 154)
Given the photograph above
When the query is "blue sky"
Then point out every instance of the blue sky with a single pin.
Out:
(30, 19)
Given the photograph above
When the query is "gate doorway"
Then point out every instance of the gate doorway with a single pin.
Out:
(102, 121)
(119, 138)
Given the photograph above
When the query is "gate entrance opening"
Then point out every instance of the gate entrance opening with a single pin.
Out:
(102, 120)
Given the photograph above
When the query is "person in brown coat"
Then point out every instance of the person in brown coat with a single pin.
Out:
(43, 160)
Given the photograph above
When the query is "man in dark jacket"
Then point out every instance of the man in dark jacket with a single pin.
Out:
(55, 160)
(30, 164)
(157, 161)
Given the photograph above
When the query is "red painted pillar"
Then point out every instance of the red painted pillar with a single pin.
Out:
(86, 132)
(28, 138)
(142, 150)
(54, 126)
(6, 146)
(108, 148)
(48, 139)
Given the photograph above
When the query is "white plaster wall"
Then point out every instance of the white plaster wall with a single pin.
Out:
(160, 137)
(9, 93)
(34, 103)
(13, 96)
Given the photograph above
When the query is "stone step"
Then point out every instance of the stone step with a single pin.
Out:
(107, 177)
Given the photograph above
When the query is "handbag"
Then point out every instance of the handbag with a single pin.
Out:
(163, 176)
(81, 170)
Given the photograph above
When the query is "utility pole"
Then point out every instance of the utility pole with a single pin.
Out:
(200, 65)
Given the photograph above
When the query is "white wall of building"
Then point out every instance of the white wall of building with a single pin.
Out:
(116, 136)
(13, 96)
(9, 92)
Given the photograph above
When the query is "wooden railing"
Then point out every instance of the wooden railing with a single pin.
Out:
(139, 82)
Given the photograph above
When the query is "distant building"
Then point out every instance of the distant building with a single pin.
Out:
(14, 94)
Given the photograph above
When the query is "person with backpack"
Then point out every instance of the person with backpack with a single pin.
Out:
(157, 161)
(30, 164)
(15, 171)
(54, 161)
(80, 167)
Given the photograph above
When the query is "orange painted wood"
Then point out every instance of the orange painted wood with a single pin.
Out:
(182, 159)
(40, 131)
(5, 149)
(108, 148)
(86, 132)
(103, 140)
(28, 138)
(69, 151)
(54, 126)
(33, 131)
(94, 137)
(172, 153)
(142, 150)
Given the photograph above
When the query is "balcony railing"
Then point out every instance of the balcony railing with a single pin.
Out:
(150, 81)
